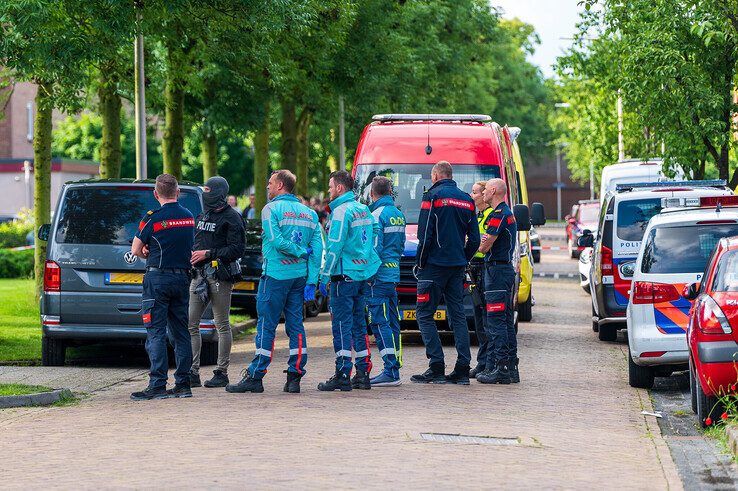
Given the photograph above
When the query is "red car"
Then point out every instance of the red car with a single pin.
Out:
(584, 216)
(712, 334)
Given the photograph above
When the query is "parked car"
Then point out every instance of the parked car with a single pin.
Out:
(244, 291)
(92, 282)
(585, 265)
(584, 217)
(713, 331)
(676, 246)
(535, 245)
(404, 148)
(634, 170)
(624, 216)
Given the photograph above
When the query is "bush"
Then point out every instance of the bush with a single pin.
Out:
(13, 234)
(16, 264)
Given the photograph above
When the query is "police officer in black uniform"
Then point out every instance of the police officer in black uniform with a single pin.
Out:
(219, 245)
(164, 239)
(498, 244)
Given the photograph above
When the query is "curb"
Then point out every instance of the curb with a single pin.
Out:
(242, 326)
(557, 276)
(38, 399)
(732, 431)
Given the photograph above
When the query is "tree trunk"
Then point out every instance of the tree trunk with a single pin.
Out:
(289, 136)
(209, 150)
(41, 176)
(173, 139)
(261, 162)
(110, 106)
(303, 150)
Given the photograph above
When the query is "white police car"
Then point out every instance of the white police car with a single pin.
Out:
(676, 246)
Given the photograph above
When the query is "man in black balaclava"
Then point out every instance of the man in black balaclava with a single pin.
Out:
(219, 242)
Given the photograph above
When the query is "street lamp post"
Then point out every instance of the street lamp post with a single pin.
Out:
(140, 98)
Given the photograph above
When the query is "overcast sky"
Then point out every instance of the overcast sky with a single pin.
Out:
(552, 19)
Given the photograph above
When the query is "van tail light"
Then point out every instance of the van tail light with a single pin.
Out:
(646, 292)
(606, 256)
(711, 318)
(52, 277)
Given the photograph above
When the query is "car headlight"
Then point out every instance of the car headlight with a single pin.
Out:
(627, 269)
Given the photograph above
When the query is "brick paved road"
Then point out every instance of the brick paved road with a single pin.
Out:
(578, 422)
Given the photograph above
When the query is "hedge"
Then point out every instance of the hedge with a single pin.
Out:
(16, 264)
(13, 234)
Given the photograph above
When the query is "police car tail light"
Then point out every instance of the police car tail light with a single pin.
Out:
(52, 277)
(646, 292)
(606, 260)
(711, 318)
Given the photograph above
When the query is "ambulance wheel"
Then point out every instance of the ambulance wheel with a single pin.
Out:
(638, 376)
(53, 352)
(607, 332)
(707, 406)
(209, 353)
(525, 309)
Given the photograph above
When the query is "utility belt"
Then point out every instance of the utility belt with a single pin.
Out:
(217, 270)
(340, 277)
(169, 270)
(498, 263)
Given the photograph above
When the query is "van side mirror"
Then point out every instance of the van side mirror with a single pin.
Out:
(537, 215)
(691, 291)
(586, 239)
(43, 232)
(522, 217)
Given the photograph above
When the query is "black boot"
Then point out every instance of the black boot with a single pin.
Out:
(179, 391)
(247, 384)
(514, 373)
(500, 375)
(476, 370)
(459, 376)
(195, 379)
(361, 381)
(434, 375)
(220, 379)
(293, 383)
(339, 381)
(150, 393)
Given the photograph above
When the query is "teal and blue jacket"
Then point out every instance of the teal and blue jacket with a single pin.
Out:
(349, 248)
(390, 239)
(288, 229)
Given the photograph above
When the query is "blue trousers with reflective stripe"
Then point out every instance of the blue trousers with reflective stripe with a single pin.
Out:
(274, 297)
(348, 319)
(380, 317)
(394, 312)
(499, 282)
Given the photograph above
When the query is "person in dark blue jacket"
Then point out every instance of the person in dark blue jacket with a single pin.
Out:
(442, 258)
(384, 318)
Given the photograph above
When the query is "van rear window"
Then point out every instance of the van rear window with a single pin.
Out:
(109, 216)
(690, 245)
(633, 216)
(410, 181)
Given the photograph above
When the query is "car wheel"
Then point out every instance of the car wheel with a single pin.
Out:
(692, 387)
(587, 289)
(707, 406)
(525, 309)
(595, 324)
(638, 376)
(312, 309)
(607, 332)
(536, 256)
(572, 249)
(53, 352)
(209, 353)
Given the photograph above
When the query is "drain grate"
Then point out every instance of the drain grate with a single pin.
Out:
(483, 440)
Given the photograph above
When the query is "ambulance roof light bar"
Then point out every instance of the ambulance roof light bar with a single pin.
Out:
(700, 202)
(385, 118)
(714, 183)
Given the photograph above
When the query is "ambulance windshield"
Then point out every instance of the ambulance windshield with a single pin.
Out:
(411, 180)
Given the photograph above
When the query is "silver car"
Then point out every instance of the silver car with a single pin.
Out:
(92, 283)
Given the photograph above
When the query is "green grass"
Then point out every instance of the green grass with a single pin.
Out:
(19, 389)
(20, 327)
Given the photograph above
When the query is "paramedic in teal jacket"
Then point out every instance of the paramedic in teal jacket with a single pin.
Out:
(384, 317)
(292, 246)
(350, 260)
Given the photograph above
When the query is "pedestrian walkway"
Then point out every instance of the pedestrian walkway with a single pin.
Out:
(575, 423)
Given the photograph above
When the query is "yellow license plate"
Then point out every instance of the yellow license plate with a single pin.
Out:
(409, 315)
(125, 278)
(245, 285)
